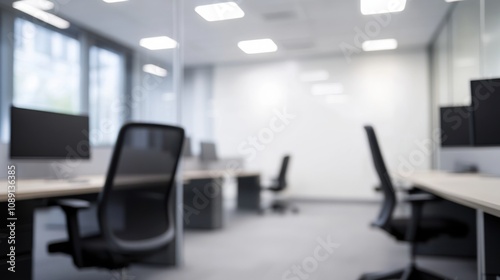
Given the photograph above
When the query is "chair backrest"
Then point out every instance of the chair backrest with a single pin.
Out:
(281, 180)
(389, 202)
(135, 208)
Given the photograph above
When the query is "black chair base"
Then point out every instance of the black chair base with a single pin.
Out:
(282, 207)
(410, 273)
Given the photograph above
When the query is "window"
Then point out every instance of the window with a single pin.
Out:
(107, 88)
(46, 69)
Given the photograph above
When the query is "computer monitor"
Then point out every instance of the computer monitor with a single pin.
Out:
(455, 126)
(486, 112)
(46, 135)
(208, 151)
(186, 148)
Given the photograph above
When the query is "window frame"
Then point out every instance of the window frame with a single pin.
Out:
(70, 33)
(95, 40)
(86, 39)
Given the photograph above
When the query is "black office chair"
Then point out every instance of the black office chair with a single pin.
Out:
(278, 186)
(135, 210)
(414, 230)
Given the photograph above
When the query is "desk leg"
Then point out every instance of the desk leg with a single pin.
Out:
(480, 245)
(249, 193)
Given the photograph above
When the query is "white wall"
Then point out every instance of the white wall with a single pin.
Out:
(330, 154)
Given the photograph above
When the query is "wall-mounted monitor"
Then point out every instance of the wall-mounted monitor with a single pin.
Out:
(456, 126)
(208, 151)
(46, 135)
(486, 112)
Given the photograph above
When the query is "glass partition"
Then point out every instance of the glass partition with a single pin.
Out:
(491, 38)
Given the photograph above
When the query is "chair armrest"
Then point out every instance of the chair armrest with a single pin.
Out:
(71, 208)
(417, 202)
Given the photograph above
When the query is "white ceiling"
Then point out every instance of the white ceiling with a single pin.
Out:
(299, 27)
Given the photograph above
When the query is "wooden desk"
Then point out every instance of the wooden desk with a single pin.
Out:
(46, 188)
(480, 192)
(34, 193)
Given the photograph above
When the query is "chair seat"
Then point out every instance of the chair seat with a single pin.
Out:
(428, 228)
(95, 252)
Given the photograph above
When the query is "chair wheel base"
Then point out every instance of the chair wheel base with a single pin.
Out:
(282, 207)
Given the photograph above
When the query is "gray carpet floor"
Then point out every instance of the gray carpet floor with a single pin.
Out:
(272, 246)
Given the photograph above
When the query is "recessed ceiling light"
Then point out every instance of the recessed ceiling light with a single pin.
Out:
(372, 7)
(51, 19)
(258, 46)
(327, 89)
(449, 1)
(314, 76)
(158, 43)
(155, 70)
(41, 4)
(114, 1)
(380, 45)
(220, 11)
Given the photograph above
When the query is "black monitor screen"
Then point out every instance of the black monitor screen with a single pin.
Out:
(45, 135)
(486, 112)
(208, 151)
(455, 126)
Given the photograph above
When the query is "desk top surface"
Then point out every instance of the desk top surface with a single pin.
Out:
(477, 191)
(46, 188)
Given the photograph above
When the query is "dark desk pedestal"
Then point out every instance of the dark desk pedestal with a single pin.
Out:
(23, 241)
(482, 241)
(203, 204)
(446, 246)
(203, 200)
(249, 193)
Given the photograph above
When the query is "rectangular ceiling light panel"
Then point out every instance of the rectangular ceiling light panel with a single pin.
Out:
(379, 45)
(372, 7)
(26, 7)
(158, 43)
(155, 70)
(258, 46)
(220, 11)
